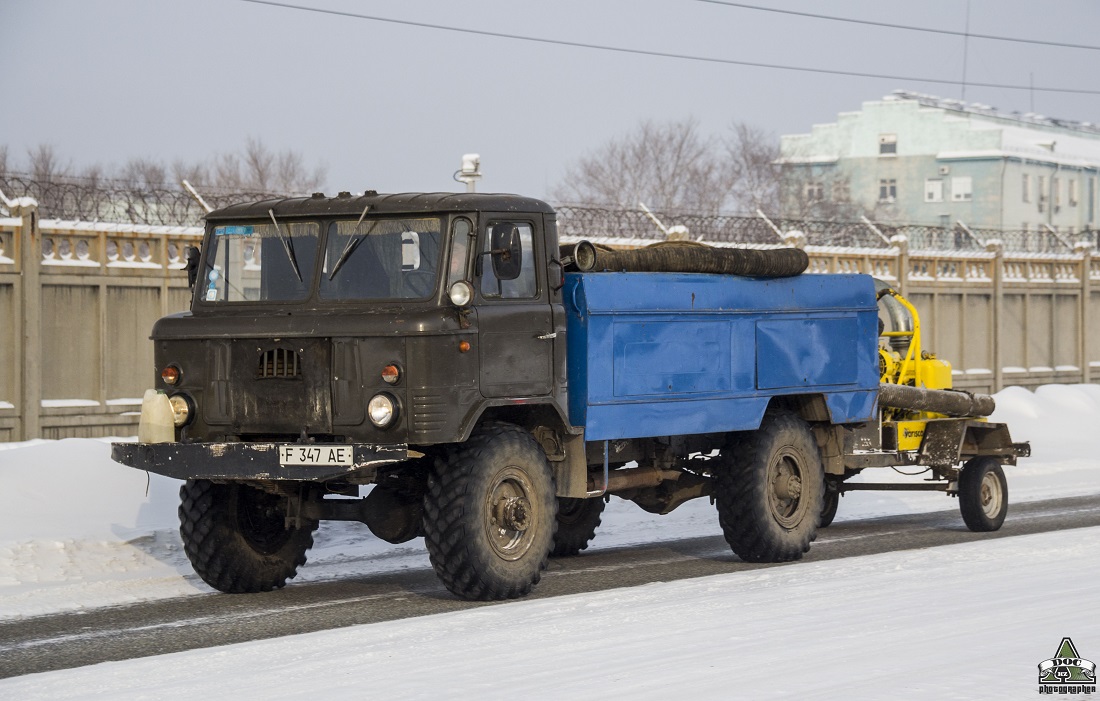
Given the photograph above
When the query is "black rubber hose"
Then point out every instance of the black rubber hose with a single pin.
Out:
(689, 257)
(952, 402)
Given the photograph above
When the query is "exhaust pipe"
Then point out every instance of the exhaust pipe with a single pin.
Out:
(636, 478)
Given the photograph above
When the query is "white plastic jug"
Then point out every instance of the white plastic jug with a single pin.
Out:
(156, 425)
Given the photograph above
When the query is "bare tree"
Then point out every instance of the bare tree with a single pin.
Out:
(93, 176)
(291, 174)
(3, 160)
(197, 173)
(668, 166)
(259, 165)
(143, 174)
(45, 164)
(752, 156)
(674, 167)
(257, 169)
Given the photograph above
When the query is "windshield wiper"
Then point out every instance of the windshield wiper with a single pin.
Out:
(352, 244)
(288, 245)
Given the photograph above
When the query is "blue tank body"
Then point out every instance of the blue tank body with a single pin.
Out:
(659, 354)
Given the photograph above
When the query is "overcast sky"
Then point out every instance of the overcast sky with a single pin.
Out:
(393, 107)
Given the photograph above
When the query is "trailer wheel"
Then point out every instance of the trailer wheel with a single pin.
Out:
(770, 494)
(236, 537)
(983, 494)
(832, 502)
(489, 514)
(577, 523)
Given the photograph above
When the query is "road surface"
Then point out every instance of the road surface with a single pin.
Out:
(68, 640)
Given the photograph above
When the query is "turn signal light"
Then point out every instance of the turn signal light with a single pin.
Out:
(390, 374)
(170, 375)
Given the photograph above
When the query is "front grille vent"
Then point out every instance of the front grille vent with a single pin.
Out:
(279, 362)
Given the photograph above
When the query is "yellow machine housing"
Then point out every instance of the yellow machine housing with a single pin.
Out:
(915, 367)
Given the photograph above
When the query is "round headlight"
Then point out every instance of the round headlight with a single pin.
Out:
(461, 293)
(382, 410)
(181, 409)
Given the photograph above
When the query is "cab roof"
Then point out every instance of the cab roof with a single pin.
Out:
(346, 204)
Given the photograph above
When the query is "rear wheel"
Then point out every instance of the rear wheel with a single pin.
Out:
(236, 536)
(770, 493)
(578, 520)
(832, 502)
(489, 514)
(983, 494)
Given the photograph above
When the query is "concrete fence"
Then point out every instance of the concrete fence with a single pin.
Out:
(78, 300)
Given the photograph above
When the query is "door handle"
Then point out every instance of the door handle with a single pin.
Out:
(547, 336)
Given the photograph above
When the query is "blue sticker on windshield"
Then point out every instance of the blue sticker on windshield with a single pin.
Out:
(233, 230)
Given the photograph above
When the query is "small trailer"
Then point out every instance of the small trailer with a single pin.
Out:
(495, 389)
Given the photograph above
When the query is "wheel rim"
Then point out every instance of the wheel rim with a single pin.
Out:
(510, 514)
(785, 496)
(261, 520)
(991, 495)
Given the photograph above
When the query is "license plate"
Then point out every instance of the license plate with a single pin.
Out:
(316, 455)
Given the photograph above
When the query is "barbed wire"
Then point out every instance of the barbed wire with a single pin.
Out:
(81, 199)
(119, 202)
(613, 222)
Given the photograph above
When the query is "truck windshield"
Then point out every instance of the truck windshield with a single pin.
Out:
(381, 259)
(259, 262)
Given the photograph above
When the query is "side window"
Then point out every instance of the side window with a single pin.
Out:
(524, 286)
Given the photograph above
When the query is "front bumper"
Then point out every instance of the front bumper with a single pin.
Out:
(246, 461)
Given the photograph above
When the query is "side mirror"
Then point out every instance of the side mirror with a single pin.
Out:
(506, 250)
(192, 266)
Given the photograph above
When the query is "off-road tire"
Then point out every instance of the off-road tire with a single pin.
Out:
(490, 514)
(578, 520)
(830, 504)
(770, 492)
(983, 494)
(235, 537)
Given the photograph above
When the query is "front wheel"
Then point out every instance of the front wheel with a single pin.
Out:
(770, 492)
(489, 514)
(983, 494)
(237, 539)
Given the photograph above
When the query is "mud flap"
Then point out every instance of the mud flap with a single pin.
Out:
(947, 442)
(942, 443)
